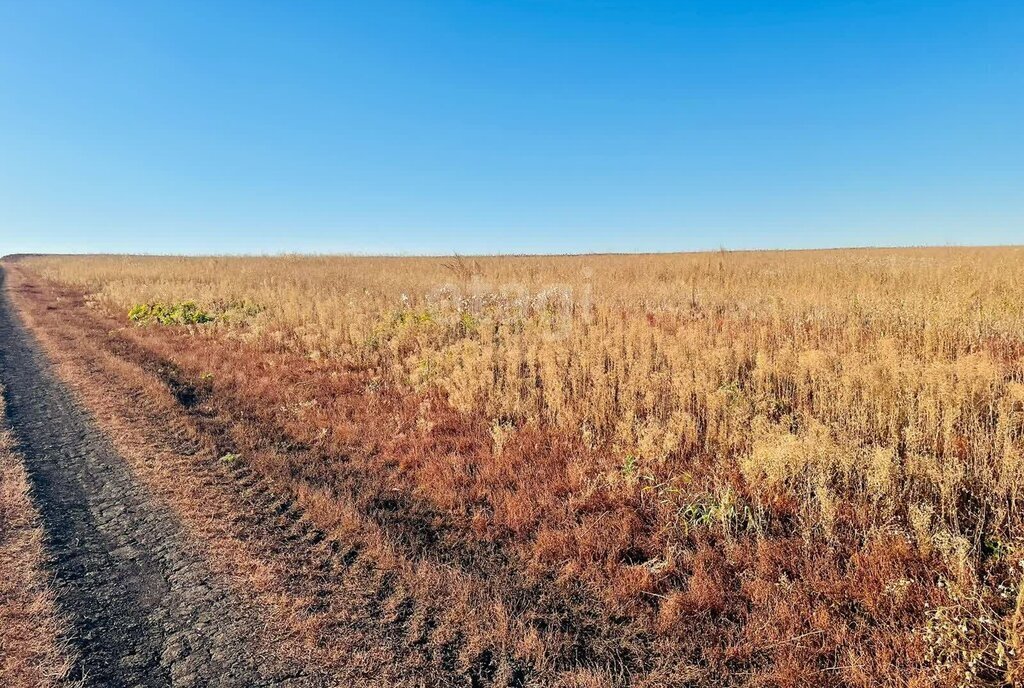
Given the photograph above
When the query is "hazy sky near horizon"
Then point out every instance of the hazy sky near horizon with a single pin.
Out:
(485, 127)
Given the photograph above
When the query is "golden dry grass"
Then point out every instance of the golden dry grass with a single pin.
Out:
(811, 457)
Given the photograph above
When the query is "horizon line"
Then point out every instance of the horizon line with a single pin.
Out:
(582, 254)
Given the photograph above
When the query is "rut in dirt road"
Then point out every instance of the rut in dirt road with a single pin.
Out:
(145, 609)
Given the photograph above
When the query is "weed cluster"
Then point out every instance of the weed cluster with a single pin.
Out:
(183, 313)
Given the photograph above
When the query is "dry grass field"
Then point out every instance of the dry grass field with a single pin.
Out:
(764, 469)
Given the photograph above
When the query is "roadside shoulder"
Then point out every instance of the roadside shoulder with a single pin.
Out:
(32, 649)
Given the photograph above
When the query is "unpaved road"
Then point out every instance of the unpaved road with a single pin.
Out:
(145, 609)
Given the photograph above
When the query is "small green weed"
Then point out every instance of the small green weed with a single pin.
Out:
(629, 467)
(183, 313)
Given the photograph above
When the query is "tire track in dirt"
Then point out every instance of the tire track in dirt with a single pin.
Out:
(145, 609)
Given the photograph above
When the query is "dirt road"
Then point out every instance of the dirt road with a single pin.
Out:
(145, 609)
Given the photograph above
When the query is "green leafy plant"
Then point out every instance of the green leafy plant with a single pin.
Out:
(183, 313)
(629, 467)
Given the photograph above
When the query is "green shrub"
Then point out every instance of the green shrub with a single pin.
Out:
(183, 313)
(140, 312)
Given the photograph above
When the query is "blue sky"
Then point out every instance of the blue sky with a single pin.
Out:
(486, 127)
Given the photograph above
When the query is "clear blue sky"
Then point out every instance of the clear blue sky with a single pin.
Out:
(432, 127)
